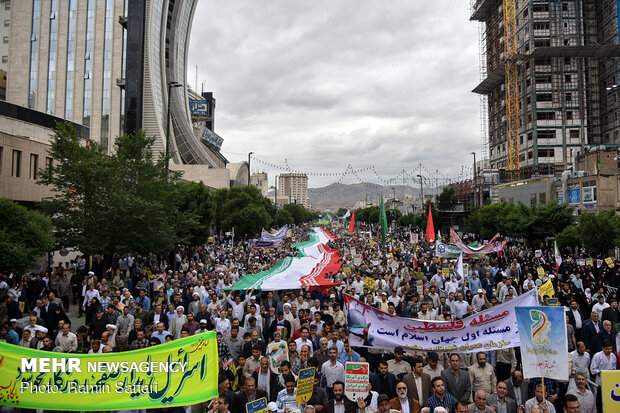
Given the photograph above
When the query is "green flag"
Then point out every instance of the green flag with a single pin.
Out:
(383, 222)
(329, 218)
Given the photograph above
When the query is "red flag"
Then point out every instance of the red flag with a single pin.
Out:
(430, 228)
(352, 223)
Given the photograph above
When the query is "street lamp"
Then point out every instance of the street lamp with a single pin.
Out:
(275, 194)
(249, 171)
(170, 86)
(421, 195)
(475, 181)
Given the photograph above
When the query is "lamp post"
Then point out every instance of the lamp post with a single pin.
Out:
(421, 196)
(475, 182)
(170, 86)
(249, 170)
(275, 194)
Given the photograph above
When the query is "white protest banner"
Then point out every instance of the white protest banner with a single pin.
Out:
(356, 376)
(544, 349)
(492, 329)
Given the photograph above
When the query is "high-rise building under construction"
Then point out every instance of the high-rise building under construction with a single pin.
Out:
(549, 81)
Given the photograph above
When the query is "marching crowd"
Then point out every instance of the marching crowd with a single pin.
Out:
(142, 301)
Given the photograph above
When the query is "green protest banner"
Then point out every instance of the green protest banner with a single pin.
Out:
(178, 373)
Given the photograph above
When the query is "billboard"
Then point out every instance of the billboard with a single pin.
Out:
(574, 196)
(199, 107)
(211, 138)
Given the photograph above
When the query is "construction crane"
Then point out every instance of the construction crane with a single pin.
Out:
(512, 96)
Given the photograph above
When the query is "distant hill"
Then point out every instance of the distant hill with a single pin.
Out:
(336, 196)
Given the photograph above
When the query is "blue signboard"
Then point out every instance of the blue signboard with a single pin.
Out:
(211, 138)
(574, 196)
(199, 107)
(257, 406)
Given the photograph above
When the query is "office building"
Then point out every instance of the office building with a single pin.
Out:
(294, 186)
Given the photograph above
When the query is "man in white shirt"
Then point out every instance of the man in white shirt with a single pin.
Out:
(332, 369)
(600, 306)
(581, 359)
(586, 399)
(603, 360)
(305, 332)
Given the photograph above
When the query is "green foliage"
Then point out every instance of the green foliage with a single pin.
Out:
(569, 237)
(283, 217)
(446, 200)
(299, 214)
(533, 223)
(369, 215)
(244, 209)
(105, 204)
(409, 219)
(341, 212)
(600, 232)
(194, 199)
(25, 235)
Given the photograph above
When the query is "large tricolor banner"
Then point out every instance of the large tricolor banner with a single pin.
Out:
(314, 259)
(492, 246)
(544, 348)
(493, 329)
(179, 373)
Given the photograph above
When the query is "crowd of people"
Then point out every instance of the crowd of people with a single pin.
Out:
(136, 301)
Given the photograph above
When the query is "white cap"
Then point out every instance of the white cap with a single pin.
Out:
(332, 296)
(203, 321)
(181, 307)
(91, 273)
(480, 290)
(272, 406)
(41, 329)
(112, 326)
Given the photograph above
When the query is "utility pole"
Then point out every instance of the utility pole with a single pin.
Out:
(249, 170)
(170, 86)
(421, 196)
(275, 194)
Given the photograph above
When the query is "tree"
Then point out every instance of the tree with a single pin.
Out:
(105, 204)
(599, 232)
(25, 235)
(341, 212)
(283, 217)
(569, 237)
(446, 200)
(244, 209)
(195, 199)
(298, 213)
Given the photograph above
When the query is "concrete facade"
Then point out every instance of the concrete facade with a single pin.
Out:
(260, 181)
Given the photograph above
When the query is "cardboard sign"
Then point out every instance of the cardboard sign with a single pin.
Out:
(590, 262)
(257, 406)
(540, 271)
(609, 392)
(610, 262)
(370, 283)
(356, 377)
(305, 385)
(277, 352)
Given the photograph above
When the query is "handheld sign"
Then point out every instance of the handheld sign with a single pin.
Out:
(610, 390)
(356, 377)
(370, 283)
(590, 262)
(305, 385)
(346, 269)
(540, 271)
(609, 262)
(357, 260)
(277, 352)
(445, 271)
(257, 406)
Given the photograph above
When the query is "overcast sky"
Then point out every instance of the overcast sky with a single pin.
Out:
(325, 84)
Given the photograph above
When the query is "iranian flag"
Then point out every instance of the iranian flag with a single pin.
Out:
(314, 259)
(558, 258)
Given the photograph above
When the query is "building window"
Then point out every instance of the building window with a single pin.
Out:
(49, 162)
(588, 190)
(51, 62)
(546, 134)
(7, 23)
(7, 6)
(34, 53)
(569, 115)
(5, 59)
(34, 166)
(5, 39)
(542, 198)
(545, 115)
(16, 163)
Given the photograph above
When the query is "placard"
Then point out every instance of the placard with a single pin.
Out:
(305, 385)
(257, 406)
(356, 379)
(581, 262)
(610, 390)
(610, 262)
(590, 262)
(445, 271)
(346, 269)
(540, 271)
(370, 283)
(538, 253)
(278, 353)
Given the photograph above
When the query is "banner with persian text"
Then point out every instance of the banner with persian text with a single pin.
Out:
(178, 373)
(491, 329)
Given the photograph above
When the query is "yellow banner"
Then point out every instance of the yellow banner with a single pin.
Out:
(610, 262)
(178, 373)
(611, 390)
(547, 289)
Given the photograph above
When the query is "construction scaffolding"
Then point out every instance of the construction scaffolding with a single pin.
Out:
(545, 77)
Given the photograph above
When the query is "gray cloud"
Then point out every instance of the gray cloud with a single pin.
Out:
(326, 84)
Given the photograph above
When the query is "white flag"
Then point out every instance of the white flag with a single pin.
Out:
(347, 215)
(459, 266)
